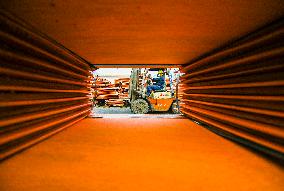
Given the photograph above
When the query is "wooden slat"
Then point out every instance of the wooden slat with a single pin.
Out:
(40, 39)
(241, 48)
(238, 92)
(44, 87)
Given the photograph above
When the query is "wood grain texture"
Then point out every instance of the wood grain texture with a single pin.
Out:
(145, 31)
(138, 154)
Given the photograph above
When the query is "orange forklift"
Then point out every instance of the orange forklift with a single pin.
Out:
(149, 94)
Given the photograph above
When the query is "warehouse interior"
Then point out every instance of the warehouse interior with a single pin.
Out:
(116, 90)
(111, 91)
(230, 135)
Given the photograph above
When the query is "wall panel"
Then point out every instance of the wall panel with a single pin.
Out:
(44, 87)
(238, 90)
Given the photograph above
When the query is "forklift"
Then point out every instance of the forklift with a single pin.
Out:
(161, 100)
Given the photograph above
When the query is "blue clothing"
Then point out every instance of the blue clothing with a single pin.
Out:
(159, 85)
(159, 81)
(153, 88)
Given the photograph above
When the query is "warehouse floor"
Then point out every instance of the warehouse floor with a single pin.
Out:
(139, 154)
(125, 112)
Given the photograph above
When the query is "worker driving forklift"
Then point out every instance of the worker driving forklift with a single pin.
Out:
(160, 82)
(149, 93)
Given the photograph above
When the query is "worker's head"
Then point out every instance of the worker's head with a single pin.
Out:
(160, 73)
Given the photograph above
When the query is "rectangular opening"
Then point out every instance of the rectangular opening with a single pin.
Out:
(136, 92)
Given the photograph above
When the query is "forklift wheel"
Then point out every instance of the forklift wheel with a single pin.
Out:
(175, 107)
(140, 106)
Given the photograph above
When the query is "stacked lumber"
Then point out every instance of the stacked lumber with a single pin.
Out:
(123, 84)
(107, 93)
(101, 82)
(115, 102)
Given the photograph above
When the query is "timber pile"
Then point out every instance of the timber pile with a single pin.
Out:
(115, 102)
(123, 84)
(110, 94)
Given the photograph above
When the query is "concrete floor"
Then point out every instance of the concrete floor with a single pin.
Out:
(138, 154)
(125, 112)
(111, 110)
